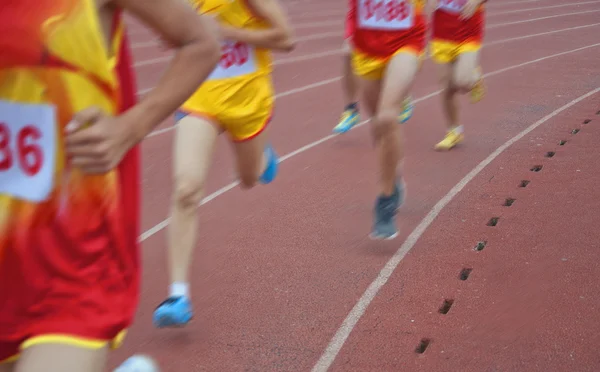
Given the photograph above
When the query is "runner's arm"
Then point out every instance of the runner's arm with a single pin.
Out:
(278, 37)
(197, 53)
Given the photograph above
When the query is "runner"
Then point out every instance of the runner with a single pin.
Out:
(237, 99)
(68, 257)
(350, 116)
(388, 42)
(456, 42)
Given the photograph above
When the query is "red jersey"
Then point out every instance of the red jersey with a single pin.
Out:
(381, 27)
(448, 26)
(68, 241)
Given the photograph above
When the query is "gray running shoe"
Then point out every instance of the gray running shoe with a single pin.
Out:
(386, 208)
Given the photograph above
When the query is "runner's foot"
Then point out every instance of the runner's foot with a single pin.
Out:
(407, 110)
(453, 137)
(478, 91)
(386, 209)
(348, 120)
(175, 311)
(271, 169)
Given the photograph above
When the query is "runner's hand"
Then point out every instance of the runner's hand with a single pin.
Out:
(96, 142)
(469, 9)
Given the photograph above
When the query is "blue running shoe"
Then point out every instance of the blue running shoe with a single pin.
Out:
(407, 110)
(270, 171)
(348, 120)
(173, 312)
(386, 209)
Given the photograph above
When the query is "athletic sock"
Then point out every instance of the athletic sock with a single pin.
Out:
(179, 289)
(458, 129)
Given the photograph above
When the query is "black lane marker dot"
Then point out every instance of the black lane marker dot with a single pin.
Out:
(524, 183)
(493, 221)
(562, 143)
(446, 306)
(508, 202)
(598, 112)
(536, 168)
(575, 131)
(586, 121)
(464, 274)
(480, 245)
(423, 345)
(550, 154)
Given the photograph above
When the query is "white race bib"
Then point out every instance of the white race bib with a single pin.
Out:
(452, 6)
(237, 59)
(385, 14)
(27, 150)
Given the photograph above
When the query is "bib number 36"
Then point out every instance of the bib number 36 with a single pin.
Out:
(27, 150)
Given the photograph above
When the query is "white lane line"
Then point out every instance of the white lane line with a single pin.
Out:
(333, 80)
(155, 229)
(140, 28)
(294, 59)
(340, 337)
(541, 18)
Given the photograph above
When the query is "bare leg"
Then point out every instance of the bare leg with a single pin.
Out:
(61, 358)
(194, 145)
(466, 73)
(449, 102)
(397, 82)
(350, 116)
(251, 159)
(348, 78)
(458, 77)
(385, 100)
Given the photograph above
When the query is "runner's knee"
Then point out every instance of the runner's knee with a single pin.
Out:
(385, 122)
(188, 192)
(464, 80)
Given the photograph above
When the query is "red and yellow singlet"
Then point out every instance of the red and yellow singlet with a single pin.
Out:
(68, 250)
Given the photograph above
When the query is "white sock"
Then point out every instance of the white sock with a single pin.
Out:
(459, 129)
(179, 289)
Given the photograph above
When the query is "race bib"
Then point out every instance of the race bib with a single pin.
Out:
(452, 6)
(385, 14)
(237, 59)
(27, 150)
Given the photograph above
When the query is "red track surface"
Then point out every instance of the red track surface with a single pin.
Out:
(279, 268)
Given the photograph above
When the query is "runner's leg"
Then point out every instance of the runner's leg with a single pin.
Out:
(61, 357)
(460, 76)
(350, 115)
(396, 84)
(256, 161)
(194, 144)
(454, 133)
(468, 76)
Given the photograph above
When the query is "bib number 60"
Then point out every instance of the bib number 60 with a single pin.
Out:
(21, 149)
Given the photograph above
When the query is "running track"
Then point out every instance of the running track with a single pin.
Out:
(285, 278)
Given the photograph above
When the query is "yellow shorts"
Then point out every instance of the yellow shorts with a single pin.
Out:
(372, 68)
(11, 352)
(242, 108)
(442, 51)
